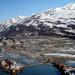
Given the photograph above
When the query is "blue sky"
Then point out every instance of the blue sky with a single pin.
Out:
(13, 8)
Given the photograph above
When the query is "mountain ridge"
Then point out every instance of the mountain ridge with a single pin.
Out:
(58, 21)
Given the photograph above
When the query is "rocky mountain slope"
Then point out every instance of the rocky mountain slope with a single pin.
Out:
(58, 21)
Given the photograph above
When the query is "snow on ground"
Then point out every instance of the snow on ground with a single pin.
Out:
(59, 54)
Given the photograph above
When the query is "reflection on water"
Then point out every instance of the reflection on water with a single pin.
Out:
(3, 73)
(44, 69)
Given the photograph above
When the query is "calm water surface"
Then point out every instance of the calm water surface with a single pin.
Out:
(45, 69)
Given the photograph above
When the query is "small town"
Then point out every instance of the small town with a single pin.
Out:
(16, 47)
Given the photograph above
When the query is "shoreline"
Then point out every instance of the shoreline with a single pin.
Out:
(59, 55)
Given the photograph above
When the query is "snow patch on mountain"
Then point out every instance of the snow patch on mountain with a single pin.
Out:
(13, 21)
(59, 20)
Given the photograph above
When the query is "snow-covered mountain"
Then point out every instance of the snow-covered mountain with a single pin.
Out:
(13, 21)
(58, 21)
